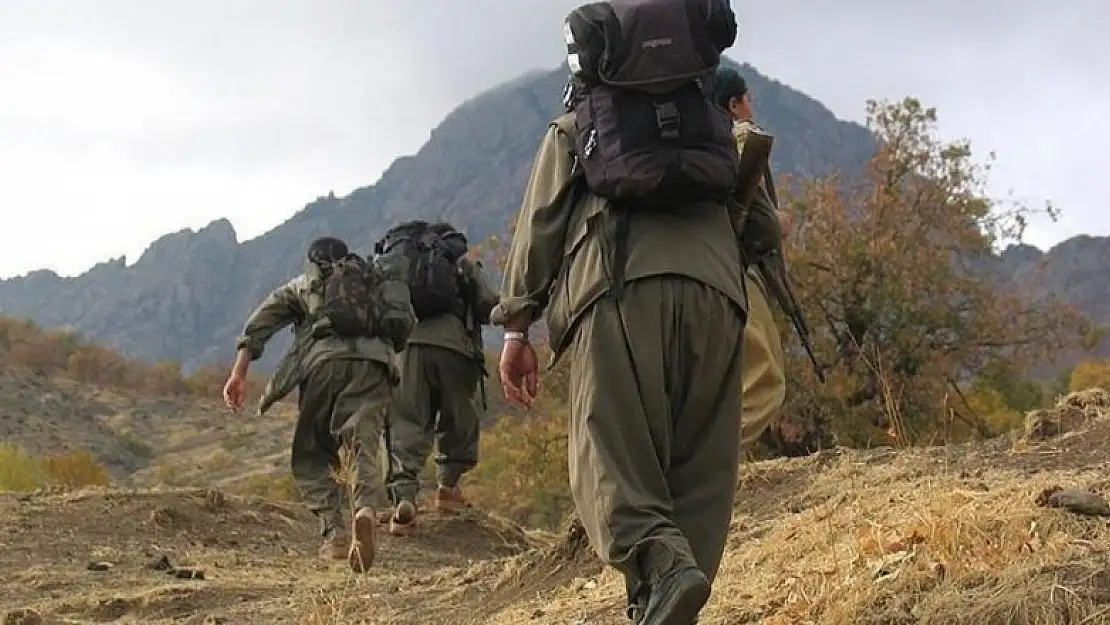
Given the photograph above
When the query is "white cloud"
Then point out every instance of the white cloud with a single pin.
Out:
(122, 120)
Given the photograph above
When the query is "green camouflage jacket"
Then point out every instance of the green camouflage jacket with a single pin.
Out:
(289, 304)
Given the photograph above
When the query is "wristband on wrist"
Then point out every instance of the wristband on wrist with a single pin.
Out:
(516, 335)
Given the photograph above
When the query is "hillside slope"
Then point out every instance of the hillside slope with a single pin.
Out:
(940, 536)
(186, 297)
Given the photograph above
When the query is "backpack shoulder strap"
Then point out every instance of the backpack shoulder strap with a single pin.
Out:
(314, 289)
(565, 123)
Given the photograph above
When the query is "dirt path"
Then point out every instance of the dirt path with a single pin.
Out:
(952, 536)
(258, 560)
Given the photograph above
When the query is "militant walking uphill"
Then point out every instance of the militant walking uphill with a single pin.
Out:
(649, 242)
(388, 358)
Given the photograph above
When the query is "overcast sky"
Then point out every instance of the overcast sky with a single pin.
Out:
(124, 120)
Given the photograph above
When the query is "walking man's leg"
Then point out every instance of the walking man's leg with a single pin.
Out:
(638, 376)
(764, 381)
(360, 411)
(620, 439)
(313, 456)
(706, 445)
(457, 426)
(412, 430)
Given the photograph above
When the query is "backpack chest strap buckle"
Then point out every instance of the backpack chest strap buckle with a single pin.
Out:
(667, 118)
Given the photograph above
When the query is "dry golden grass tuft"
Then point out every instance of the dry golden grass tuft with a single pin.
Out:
(935, 536)
(20, 471)
(941, 536)
(272, 486)
(888, 545)
(1073, 412)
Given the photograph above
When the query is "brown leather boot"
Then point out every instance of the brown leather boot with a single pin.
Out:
(403, 520)
(365, 540)
(384, 516)
(449, 499)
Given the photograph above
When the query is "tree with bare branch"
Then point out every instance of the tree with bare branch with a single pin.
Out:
(895, 270)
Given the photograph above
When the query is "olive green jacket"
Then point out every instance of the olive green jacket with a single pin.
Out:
(555, 263)
(289, 304)
(449, 330)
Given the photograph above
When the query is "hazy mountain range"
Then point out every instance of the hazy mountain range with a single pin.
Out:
(186, 297)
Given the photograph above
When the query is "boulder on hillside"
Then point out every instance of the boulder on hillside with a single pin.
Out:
(1072, 412)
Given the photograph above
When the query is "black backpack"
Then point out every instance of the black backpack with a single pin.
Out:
(349, 302)
(434, 279)
(642, 72)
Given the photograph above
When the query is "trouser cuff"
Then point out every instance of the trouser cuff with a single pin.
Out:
(450, 475)
(329, 521)
(403, 492)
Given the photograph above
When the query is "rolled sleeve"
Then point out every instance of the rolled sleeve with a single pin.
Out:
(514, 307)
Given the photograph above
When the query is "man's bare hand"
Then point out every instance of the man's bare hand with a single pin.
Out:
(235, 391)
(519, 373)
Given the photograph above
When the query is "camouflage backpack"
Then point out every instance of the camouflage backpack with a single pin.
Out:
(346, 301)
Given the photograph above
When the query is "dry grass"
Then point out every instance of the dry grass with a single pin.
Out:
(271, 486)
(924, 536)
(1073, 412)
(74, 470)
(943, 536)
(20, 471)
(887, 545)
(890, 546)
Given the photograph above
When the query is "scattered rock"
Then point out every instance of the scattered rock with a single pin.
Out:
(165, 515)
(111, 609)
(98, 566)
(23, 616)
(1074, 500)
(1070, 413)
(161, 563)
(214, 500)
(1090, 398)
(186, 573)
(574, 542)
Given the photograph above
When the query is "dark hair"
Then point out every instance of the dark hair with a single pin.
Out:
(415, 224)
(327, 250)
(728, 84)
(440, 227)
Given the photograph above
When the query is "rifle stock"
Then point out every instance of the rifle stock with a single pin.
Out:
(753, 161)
(768, 259)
